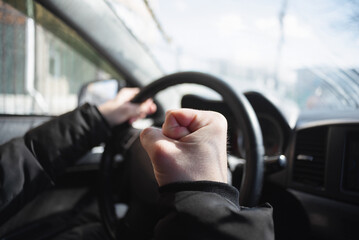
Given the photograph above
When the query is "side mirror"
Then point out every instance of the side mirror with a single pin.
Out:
(98, 92)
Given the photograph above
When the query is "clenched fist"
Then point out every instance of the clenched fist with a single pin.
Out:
(191, 146)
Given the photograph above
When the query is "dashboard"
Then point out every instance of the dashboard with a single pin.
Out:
(323, 172)
(322, 150)
(325, 159)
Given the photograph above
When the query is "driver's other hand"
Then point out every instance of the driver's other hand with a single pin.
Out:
(120, 109)
(191, 146)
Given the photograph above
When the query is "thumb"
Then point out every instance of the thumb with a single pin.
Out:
(149, 138)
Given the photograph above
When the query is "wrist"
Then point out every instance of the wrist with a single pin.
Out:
(111, 112)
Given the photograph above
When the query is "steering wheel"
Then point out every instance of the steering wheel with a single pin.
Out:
(243, 114)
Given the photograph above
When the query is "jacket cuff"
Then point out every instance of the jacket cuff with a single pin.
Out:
(105, 122)
(93, 111)
(225, 190)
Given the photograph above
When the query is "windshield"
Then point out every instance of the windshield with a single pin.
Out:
(303, 52)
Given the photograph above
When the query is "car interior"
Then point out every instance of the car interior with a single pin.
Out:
(58, 54)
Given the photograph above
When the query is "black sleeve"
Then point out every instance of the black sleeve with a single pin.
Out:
(29, 165)
(209, 210)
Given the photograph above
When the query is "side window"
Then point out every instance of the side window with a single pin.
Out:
(13, 28)
(44, 63)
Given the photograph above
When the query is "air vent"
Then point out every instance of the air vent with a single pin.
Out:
(310, 155)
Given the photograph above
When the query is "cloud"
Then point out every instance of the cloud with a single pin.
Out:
(230, 24)
(267, 25)
(181, 5)
(293, 27)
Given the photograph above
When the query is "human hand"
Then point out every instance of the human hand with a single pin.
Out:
(191, 146)
(120, 109)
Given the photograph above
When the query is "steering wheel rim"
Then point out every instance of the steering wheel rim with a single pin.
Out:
(243, 113)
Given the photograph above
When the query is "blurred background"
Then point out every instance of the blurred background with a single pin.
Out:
(306, 51)
(303, 52)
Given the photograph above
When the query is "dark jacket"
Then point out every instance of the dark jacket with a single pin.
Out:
(210, 210)
(30, 165)
(192, 210)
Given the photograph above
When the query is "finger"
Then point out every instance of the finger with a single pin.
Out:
(132, 120)
(148, 107)
(173, 129)
(138, 111)
(162, 152)
(201, 119)
(190, 118)
(126, 94)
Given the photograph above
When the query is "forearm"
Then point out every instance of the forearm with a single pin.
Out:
(58, 143)
(29, 165)
(22, 177)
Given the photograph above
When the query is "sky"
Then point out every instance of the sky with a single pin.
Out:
(247, 33)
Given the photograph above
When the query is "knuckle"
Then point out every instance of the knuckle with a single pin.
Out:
(219, 120)
(169, 113)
